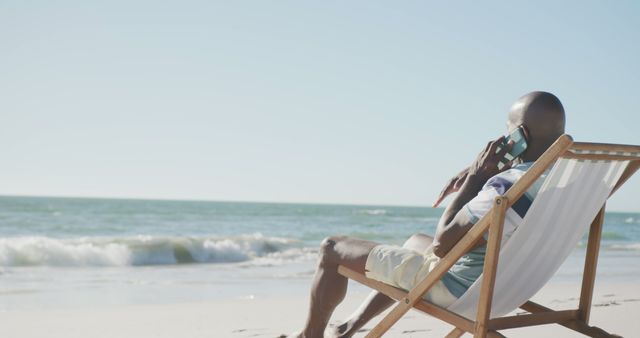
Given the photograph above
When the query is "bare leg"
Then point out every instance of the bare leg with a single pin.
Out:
(377, 302)
(329, 287)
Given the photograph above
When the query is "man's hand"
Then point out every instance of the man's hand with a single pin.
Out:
(453, 185)
(486, 164)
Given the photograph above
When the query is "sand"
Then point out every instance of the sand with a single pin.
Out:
(616, 309)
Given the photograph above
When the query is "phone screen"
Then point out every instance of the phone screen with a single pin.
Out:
(519, 146)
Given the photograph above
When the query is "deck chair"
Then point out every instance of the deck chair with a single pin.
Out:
(581, 178)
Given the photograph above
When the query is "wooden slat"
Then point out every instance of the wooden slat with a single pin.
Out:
(540, 318)
(625, 148)
(590, 264)
(399, 294)
(490, 266)
(599, 157)
(534, 307)
(388, 290)
(455, 333)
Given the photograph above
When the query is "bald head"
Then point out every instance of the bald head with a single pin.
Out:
(542, 115)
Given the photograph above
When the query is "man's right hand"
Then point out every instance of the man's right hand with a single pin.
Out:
(453, 185)
(486, 164)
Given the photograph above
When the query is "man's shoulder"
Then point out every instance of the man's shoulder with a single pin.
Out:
(504, 180)
(517, 171)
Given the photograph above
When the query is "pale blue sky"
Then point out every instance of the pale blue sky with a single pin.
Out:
(296, 101)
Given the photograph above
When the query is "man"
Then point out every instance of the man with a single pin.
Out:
(542, 116)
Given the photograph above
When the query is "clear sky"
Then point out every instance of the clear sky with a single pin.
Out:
(296, 101)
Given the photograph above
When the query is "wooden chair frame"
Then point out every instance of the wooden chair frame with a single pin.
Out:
(483, 326)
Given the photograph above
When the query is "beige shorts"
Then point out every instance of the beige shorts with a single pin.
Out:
(404, 269)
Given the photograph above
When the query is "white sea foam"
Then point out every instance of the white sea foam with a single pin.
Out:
(290, 256)
(373, 212)
(147, 250)
(628, 246)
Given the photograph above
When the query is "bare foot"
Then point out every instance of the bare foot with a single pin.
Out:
(344, 330)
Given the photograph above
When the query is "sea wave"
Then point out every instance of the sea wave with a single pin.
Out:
(372, 212)
(148, 250)
(625, 246)
(610, 235)
(614, 245)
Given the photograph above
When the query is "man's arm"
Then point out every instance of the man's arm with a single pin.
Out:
(454, 223)
(453, 185)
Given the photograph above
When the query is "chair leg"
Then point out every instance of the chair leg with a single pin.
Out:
(590, 264)
(455, 333)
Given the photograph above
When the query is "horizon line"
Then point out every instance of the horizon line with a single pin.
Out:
(173, 199)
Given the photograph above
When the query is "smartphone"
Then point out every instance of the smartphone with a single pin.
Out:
(519, 146)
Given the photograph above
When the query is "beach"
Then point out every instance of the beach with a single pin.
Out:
(172, 169)
(140, 268)
(616, 306)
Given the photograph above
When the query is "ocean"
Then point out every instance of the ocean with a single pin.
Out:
(97, 252)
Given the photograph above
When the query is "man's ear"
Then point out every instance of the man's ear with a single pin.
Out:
(526, 133)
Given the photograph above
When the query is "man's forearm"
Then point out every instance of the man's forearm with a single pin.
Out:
(454, 224)
(472, 185)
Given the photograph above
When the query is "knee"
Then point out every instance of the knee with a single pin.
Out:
(411, 240)
(418, 242)
(328, 249)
